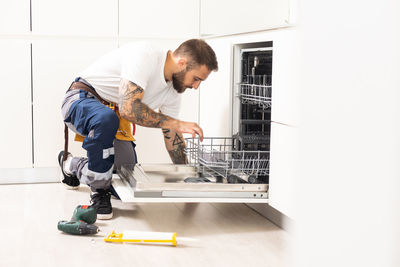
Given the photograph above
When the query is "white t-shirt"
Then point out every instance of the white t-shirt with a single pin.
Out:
(141, 63)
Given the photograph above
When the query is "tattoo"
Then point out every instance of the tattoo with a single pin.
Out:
(165, 132)
(129, 91)
(134, 110)
(129, 94)
(176, 150)
(177, 140)
(178, 155)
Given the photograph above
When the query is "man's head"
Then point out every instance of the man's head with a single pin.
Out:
(195, 60)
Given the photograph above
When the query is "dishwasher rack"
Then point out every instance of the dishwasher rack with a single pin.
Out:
(255, 94)
(218, 156)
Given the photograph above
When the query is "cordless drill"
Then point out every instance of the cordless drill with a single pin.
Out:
(81, 222)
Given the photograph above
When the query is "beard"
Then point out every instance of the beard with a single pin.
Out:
(177, 81)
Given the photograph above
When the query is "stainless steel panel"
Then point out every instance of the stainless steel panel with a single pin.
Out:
(128, 195)
(167, 177)
(199, 194)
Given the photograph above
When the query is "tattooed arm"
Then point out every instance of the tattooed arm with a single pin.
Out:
(175, 145)
(132, 109)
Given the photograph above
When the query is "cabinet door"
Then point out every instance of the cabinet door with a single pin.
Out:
(159, 18)
(14, 17)
(236, 16)
(216, 94)
(282, 168)
(75, 17)
(285, 79)
(16, 107)
(55, 65)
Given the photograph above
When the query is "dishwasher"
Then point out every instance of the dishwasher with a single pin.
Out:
(220, 169)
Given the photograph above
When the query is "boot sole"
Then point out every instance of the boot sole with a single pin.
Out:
(104, 216)
(62, 177)
(67, 186)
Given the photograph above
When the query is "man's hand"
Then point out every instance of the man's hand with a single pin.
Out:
(132, 109)
(189, 127)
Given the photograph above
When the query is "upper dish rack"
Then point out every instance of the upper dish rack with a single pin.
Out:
(256, 89)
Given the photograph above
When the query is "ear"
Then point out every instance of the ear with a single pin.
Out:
(182, 62)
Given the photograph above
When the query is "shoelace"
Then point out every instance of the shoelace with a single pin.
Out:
(100, 197)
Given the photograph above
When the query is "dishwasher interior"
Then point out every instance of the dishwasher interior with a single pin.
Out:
(220, 169)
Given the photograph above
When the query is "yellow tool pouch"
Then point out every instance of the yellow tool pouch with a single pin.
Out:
(124, 133)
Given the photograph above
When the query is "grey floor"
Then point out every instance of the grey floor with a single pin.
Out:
(226, 234)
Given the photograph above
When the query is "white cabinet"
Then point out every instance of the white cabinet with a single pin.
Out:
(159, 18)
(14, 17)
(237, 16)
(216, 95)
(74, 17)
(55, 65)
(285, 77)
(283, 154)
(15, 108)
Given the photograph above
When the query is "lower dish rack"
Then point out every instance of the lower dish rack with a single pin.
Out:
(220, 158)
(216, 173)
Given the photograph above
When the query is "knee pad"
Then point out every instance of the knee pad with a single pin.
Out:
(108, 124)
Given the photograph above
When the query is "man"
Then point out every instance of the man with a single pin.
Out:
(135, 81)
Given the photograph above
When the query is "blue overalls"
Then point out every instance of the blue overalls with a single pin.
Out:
(98, 123)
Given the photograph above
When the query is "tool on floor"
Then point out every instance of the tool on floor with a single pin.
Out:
(154, 238)
(158, 238)
(77, 228)
(81, 222)
(84, 213)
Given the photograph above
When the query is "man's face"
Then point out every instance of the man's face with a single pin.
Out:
(189, 79)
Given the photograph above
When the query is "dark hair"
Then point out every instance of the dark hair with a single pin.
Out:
(198, 52)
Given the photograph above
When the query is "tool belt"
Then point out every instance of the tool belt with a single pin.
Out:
(124, 130)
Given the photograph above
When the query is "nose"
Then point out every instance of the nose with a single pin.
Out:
(196, 85)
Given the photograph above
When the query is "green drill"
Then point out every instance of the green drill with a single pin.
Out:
(81, 222)
(77, 228)
(84, 213)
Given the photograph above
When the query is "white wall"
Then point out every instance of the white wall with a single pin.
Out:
(236, 16)
(172, 19)
(14, 17)
(75, 17)
(16, 109)
(348, 174)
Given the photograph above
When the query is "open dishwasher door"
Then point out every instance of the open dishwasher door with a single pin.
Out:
(208, 177)
(166, 183)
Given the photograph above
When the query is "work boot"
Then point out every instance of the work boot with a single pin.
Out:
(69, 179)
(102, 204)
